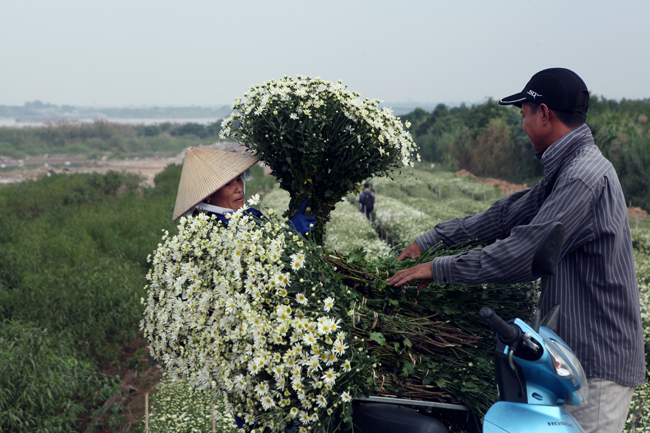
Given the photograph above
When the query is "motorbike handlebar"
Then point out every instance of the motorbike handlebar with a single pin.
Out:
(508, 332)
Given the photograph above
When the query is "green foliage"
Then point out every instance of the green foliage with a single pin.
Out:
(641, 244)
(432, 337)
(488, 140)
(349, 229)
(91, 233)
(415, 202)
(72, 263)
(73, 253)
(624, 139)
(45, 387)
(105, 138)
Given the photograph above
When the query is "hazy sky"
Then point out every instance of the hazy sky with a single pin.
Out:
(207, 52)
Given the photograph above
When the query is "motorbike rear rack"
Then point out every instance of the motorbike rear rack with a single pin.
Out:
(407, 402)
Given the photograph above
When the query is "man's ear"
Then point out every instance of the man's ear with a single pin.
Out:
(545, 112)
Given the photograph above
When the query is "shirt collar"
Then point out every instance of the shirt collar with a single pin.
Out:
(214, 209)
(210, 208)
(558, 151)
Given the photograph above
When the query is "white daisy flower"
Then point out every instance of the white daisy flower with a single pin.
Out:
(328, 303)
(339, 348)
(329, 377)
(268, 403)
(309, 339)
(254, 200)
(297, 261)
(301, 298)
(304, 417)
(262, 389)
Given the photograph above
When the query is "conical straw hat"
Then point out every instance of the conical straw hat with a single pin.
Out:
(204, 172)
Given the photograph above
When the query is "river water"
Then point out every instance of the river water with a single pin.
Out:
(11, 122)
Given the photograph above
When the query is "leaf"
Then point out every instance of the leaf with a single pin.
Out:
(378, 337)
(449, 309)
(407, 343)
(407, 369)
(357, 255)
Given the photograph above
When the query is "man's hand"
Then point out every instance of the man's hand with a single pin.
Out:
(411, 252)
(419, 272)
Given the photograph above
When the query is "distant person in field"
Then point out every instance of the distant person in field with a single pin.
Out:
(367, 201)
(595, 283)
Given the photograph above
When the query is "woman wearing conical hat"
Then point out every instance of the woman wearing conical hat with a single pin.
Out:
(213, 181)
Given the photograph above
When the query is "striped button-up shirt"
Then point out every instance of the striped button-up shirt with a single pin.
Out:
(595, 282)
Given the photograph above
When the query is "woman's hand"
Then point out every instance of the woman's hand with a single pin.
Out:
(303, 223)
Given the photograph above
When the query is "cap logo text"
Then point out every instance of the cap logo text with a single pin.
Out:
(534, 94)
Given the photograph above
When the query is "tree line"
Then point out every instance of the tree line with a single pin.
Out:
(488, 140)
(100, 138)
(485, 139)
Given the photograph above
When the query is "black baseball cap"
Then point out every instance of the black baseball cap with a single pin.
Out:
(558, 88)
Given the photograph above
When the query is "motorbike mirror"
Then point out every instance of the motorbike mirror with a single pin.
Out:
(548, 251)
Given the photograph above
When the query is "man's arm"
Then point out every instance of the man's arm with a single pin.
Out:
(485, 227)
(509, 260)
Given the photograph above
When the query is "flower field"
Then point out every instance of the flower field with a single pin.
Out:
(413, 203)
(641, 244)
(176, 407)
(406, 207)
(347, 230)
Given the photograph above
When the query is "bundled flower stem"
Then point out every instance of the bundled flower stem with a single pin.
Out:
(431, 344)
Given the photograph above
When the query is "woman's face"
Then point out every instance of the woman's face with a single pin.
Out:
(230, 196)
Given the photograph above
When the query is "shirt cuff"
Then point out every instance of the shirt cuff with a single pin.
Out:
(427, 240)
(441, 268)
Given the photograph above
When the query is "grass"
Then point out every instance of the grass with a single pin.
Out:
(46, 387)
(72, 263)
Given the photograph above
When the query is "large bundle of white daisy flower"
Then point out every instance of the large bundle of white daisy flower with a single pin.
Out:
(290, 334)
(249, 312)
(320, 139)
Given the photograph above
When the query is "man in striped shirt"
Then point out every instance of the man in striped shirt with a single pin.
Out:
(595, 282)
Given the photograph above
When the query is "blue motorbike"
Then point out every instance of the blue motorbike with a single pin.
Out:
(537, 374)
